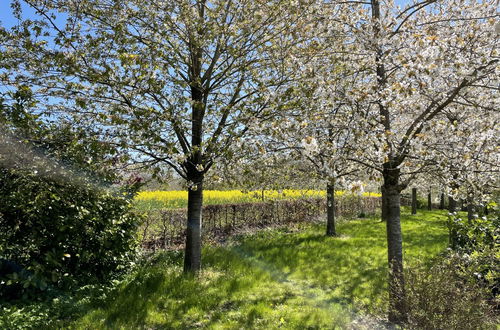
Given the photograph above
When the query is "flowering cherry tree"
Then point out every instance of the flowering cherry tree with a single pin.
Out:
(402, 92)
(423, 61)
(471, 166)
(174, 82)
(317, 125)
(416, 67)
(322, 138)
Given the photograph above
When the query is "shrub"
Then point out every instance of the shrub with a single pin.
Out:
(460, 291)
(59, 226)
(61, 232)
(477, 242)
(440, 297)
(479, 233)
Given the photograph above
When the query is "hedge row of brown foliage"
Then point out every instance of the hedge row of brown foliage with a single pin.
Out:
(164, 229)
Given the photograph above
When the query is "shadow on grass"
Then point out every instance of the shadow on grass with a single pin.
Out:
(270, 280)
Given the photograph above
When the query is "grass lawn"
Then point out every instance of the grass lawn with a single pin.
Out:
(273, 279)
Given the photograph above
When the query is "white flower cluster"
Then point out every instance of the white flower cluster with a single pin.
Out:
(310, 146)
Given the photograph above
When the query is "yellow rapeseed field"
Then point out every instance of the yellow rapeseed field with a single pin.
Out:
(178, 199)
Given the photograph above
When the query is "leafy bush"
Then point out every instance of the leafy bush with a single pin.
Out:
(469, 236)
(62, 232)
(478, 244)
(60, 224)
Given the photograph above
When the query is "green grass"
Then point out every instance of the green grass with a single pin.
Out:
(273, 279)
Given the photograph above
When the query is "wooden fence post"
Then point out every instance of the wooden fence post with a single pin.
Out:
(452, 204)
(429, 201)
(234, 216)
(414, 201)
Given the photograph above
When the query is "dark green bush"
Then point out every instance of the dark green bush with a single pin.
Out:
(473, 235)
(478, 242)
(60, 224)
(62, 232)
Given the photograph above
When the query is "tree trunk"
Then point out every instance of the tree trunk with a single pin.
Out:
(192, 256)
(330, 209)
(429, 201)
(397, 297)
(452, 204)
(463, 205)
(414, 201)
(441, 202)
(471, 209)
(391, 195)
(384, 205)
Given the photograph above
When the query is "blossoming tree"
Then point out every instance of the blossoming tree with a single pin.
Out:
(175, 82)
(416, 66)
(421, 62)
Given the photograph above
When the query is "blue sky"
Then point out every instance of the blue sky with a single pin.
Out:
(6, 17)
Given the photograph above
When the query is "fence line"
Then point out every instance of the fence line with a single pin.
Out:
(164, 229)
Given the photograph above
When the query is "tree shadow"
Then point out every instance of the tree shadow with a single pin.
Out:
(268, 277)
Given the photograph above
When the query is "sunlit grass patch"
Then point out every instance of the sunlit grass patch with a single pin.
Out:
(272, 279)
(244, 295)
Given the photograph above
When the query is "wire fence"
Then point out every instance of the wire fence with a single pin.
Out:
(165, 228)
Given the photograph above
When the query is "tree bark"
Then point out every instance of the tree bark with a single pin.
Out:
(391, 195)
(429, 201)
(397, 296)
(463, 205)
(452, 204)
(471, 208)
(192, 256)
(414, 201)
(330, 209)
(384, 205)
(441, 202)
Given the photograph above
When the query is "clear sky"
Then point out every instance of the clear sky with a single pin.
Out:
(6, 17)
